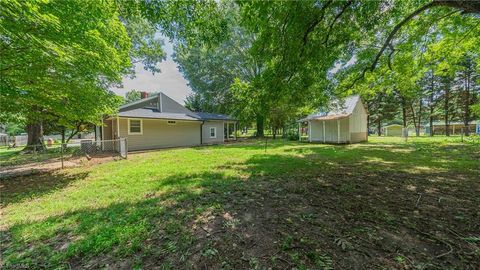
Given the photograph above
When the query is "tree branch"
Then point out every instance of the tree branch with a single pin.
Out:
(391, 36)
(330, 27)
(312, 27)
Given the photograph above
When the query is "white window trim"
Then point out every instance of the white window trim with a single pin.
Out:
(141, 127)
(210, 132)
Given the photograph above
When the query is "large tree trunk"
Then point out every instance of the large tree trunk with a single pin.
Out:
(63, 134)
(419, 121)
(35, 137)
(417, 117)
(404, 112)
(466, 6)
(414, 118)
(260, 126)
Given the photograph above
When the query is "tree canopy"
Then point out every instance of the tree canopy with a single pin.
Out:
(304, 52)
(59, 58)
(263, 61)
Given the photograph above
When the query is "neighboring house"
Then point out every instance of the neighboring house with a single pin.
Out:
(393, 130)
(345, 121)
(455, 128)
(160, 122)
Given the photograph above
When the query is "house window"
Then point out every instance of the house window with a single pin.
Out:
(171, 123)
(135, 126)
(213, 132)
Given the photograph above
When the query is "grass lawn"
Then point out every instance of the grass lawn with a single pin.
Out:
(381, 204)
(15, 156)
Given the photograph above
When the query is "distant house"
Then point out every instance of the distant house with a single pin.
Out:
(393, 130)
(160, 122)
(454, 128)
(345, 121)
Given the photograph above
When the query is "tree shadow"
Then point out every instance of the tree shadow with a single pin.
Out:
(18, 189)
(312, 207)
(253, 144)
(17, 157)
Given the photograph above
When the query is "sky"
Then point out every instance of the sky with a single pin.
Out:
(170, 80)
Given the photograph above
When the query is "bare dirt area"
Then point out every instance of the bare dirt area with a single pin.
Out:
(340, 220)
(51, 165)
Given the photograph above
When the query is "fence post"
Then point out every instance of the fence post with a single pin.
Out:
(126, 148)
(61, 154)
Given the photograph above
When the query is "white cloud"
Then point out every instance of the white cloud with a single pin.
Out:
(170, 81)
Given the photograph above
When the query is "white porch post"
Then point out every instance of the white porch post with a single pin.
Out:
(118, 128)
(101, 134)
(324, 135)
(234, 131)
(338, 131)
(309, 131)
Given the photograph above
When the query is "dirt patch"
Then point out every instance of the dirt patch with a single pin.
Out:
(51, 165)
(337, 222)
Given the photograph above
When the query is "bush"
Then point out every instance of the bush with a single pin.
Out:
(292, 136)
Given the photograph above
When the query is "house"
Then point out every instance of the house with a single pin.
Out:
(160, 122)
(393, 130)
(344, 121)
(454, 128)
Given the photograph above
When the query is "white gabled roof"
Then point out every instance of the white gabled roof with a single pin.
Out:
(338, 108)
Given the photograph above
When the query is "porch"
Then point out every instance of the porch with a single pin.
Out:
(230, 131)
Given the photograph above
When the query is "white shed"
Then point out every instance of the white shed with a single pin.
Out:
(344, 121)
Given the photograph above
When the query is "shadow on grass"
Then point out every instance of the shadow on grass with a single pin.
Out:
(254, 144)
(314, 207)
(17, 189)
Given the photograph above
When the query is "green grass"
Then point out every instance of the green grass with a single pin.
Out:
(236, 206)
(15, 156)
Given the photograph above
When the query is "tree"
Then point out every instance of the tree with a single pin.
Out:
(310, 50)
(430, 85)
(60, 57)
(216, 71)
(466, 78)
(56, 52)
(132, 95)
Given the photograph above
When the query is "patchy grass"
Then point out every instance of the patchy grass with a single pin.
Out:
(381, 204)
(15, 156)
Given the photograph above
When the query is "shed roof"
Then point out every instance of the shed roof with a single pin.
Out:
(393, 125)
(338, 108)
